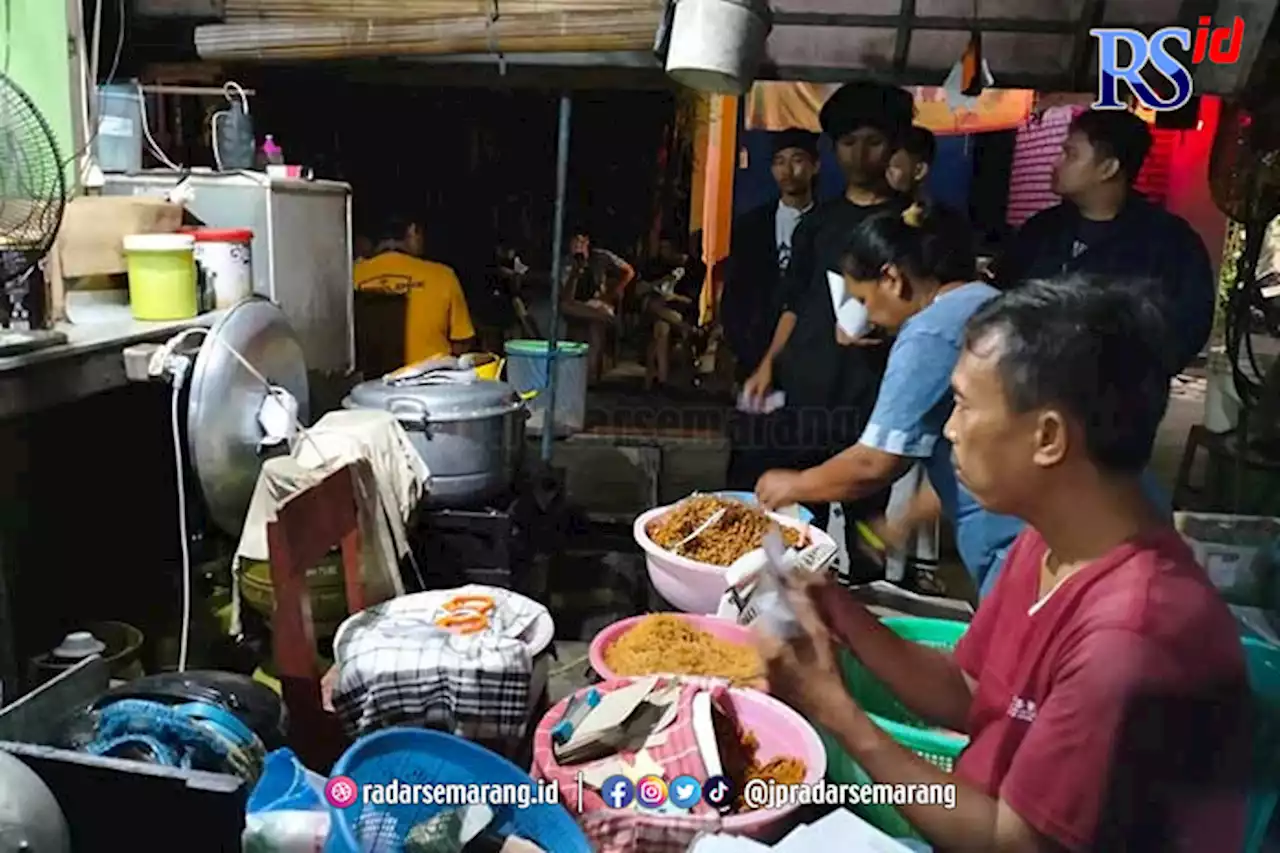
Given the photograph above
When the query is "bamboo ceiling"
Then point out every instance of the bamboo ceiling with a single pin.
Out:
(418, 10)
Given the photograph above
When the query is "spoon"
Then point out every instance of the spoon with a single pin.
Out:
(702, 528)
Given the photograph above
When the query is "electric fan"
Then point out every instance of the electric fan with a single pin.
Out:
(33, 195)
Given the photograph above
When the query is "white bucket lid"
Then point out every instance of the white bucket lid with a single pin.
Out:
(79, 644)
(159, 243)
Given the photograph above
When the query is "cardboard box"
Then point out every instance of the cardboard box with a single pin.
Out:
(1241, 553)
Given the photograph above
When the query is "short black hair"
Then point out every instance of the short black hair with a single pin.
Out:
(1094, 347)
(394, 227)
(920, 143)
(1119, 134)
(939, 246)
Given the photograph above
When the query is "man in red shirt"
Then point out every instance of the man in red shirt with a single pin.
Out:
(1102, 684)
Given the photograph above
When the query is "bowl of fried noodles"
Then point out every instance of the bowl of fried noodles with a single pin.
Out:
(677, 644)
(690, 573)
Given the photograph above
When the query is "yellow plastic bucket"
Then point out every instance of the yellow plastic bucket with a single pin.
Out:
(162, 276)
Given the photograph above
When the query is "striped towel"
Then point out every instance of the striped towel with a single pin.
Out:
(397, 668)
(629, 830)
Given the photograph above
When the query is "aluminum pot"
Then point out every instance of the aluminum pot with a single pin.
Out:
(471, 435)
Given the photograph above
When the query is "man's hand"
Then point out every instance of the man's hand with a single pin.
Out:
(778, 488)
(860, 341)
(759, 383)
(803, 672)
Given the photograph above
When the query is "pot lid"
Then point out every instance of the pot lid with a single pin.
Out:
(441, 400)
(79, 644)
(222, 410)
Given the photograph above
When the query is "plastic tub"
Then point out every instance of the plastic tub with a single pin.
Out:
(421, 756)
(527, 371)
(750, 498)
(607, 636)
(162, 276)
(118, 143)
(689, 585)
(779, 730)
(225, 262)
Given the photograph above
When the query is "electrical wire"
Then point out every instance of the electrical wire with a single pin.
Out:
(91, 91)
(146, 132)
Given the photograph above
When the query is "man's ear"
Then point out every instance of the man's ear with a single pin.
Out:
(894, 282)
(1052, 438)
(922, 172)
(1109, 168)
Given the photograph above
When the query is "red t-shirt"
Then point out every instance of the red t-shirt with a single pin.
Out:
(1113, 714)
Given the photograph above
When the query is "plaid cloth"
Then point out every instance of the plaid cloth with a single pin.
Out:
(397, 668)
(631, 831)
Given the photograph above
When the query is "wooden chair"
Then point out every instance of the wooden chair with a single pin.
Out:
(307, 527)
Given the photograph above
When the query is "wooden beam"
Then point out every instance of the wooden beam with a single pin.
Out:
(902, 46)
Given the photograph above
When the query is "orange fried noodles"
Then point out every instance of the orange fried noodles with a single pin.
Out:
(739, 531)
(666, 644)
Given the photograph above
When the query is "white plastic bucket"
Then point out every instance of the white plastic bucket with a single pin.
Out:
(1221, 399)
(717, 45)
(226, 264)
(527, 371)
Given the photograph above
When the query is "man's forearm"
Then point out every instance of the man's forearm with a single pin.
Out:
(970, 826)
(926, 681)
(851, 475)
(781, 334)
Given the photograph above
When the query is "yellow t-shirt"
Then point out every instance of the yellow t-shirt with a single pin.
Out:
(436, 312)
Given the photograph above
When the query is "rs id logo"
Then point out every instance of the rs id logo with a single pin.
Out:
(1220, 45)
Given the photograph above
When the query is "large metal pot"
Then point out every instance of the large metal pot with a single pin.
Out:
(470, 435)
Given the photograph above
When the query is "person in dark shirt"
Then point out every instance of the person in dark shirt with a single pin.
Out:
(830, 386)
(1104, 228)
(760, 252)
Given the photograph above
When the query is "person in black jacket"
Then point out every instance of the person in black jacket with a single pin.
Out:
(1104, 228)
(760, 251)
(830, 383)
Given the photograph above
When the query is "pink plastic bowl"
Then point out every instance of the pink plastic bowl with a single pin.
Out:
(607, 636)
(779, 731)
(692, 586)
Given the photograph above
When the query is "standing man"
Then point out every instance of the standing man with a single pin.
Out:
(760, 252)
(910, 164)
(437, 321)
(754, 291)
(830, 387)
(1104, 228)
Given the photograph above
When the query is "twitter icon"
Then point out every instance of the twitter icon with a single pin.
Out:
(685, 792)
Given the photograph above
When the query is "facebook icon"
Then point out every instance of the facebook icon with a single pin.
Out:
(618, 791)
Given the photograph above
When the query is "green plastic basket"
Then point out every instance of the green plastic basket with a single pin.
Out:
(939, 747)
(1264, 678)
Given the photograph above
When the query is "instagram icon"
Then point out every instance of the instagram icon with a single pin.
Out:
(651, 792)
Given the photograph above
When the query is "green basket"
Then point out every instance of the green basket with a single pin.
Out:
(940, 748)
(1263, 660)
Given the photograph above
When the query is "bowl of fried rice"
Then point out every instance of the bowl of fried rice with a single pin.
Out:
(690, 574)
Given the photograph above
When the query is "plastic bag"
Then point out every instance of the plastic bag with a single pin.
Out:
(286, 812)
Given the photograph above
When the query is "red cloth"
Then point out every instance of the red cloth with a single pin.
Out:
(630, 831)
(1111, 715)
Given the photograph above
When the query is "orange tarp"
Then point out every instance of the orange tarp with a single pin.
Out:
(780, 105)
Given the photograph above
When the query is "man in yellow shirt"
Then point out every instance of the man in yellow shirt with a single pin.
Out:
(437, 321)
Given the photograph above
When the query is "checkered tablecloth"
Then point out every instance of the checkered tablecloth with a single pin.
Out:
(395, 667)
(631, 831)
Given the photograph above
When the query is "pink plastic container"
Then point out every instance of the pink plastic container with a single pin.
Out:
(692, 586)
(779, 730)
(607, 636)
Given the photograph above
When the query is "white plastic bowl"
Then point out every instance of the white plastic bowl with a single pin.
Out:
(690, 585)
